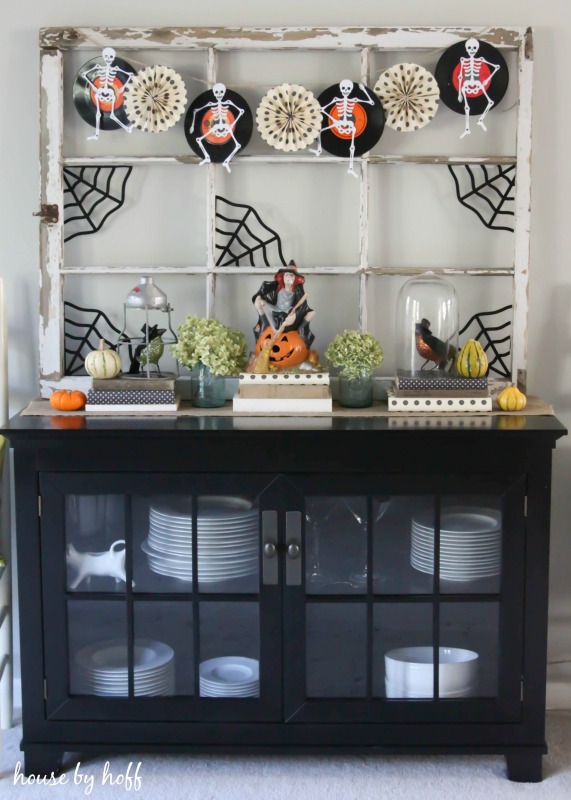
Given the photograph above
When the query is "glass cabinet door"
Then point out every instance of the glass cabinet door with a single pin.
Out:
(411, 600)
(163, 601)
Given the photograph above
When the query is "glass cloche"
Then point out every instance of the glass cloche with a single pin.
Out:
(426, 327)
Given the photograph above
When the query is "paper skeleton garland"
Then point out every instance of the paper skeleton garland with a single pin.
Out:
(473, 78)
(155, 99)
(409, 95)
(98, 92)
(352, 122)
(218, 124)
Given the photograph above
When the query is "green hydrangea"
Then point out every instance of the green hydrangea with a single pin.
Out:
(356, 353)
(217, 346)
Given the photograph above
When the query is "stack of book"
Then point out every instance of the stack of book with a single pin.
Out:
(302, 392)
(132, 394)
(439, 393)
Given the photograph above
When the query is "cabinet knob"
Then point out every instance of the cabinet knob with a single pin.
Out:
(293, 551)
(269, 550)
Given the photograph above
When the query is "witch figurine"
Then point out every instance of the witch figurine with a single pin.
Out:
(283, 336)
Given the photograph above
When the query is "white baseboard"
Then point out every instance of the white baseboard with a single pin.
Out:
(558, 695)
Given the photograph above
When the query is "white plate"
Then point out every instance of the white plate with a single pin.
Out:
(160, 674)
(233, 556)
(218, 689)
(204, 578)
(111, 655)
(457, 567)
(460, 519)
(457, 570)
(459, 560)
(230, 670)
(220, 509)
(455, 577)
(164, 545)
(394, 692)
(462, 538)
(222, 695)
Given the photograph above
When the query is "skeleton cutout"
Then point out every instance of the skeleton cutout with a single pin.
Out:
(341, 113)
(108, 82)
(220, 123)
(474, 76)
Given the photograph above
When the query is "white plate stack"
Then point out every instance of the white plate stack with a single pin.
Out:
(102, 668)
(230, 676)
(470, 543)
(409, 672)
(227, 536)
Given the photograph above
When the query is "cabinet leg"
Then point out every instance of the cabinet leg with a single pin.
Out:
(42, 760)
(524, 767)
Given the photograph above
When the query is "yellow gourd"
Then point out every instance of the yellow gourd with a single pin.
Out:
(472, 362)
(511, 399)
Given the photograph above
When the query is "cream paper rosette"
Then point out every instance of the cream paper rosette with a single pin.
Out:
(409, 94)
(289, 117)
(155, 99)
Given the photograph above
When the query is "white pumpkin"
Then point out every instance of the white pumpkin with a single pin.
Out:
(103, 363)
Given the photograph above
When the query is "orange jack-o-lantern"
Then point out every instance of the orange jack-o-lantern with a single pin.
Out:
(288, 350)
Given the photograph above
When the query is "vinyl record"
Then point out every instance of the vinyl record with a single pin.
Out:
(84, 97)
(368, 119)
(216, 135)
(447, 74)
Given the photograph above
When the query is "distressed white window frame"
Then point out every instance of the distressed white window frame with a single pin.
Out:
(53, 43)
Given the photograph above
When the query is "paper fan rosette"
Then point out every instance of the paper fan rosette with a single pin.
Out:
(409, 94)
(289, 117)
(155, 99)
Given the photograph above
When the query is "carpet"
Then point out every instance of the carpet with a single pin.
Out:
(184, 777)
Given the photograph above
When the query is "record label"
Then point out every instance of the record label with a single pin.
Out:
(218, 125)
(352, 115)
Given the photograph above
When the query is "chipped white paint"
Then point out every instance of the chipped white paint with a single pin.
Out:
(82, 383)
(364, 191)
(336, 38)
(522, 214)
(246, 269)
(51, 193)
(285, 158)
(211, 208)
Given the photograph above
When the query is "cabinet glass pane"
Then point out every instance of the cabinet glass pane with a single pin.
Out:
(97, 631)
(229, 649)
(396, 569)
(228, 537)
(228, 544)
(471, 632)
(336, 649)
(336, 545)
(164, 629)
(400, 630)
(162, 543)
(95, 542)
(470, 544)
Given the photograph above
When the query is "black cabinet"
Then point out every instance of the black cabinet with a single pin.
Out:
(283, 590)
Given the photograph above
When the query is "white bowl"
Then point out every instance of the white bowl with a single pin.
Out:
(410, 669)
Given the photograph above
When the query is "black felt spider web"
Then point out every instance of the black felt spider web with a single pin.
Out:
(91, 195)
(485, 335)
(82, 336)
(246, 238)
(490, 194)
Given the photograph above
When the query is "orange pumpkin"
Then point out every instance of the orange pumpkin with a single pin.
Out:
(288, 350)
(74, 422)
(68, 400)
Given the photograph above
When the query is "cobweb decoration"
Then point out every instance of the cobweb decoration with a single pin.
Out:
(83, 328)
(490, 193)
(497, 349)
(244, 237)
(91, 195)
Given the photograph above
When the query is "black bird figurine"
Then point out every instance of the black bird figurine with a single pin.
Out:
(432, 348)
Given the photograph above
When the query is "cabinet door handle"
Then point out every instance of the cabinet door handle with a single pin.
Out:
(270, 564)
(293, 549)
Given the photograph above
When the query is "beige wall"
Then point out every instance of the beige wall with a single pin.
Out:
(550, 293)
